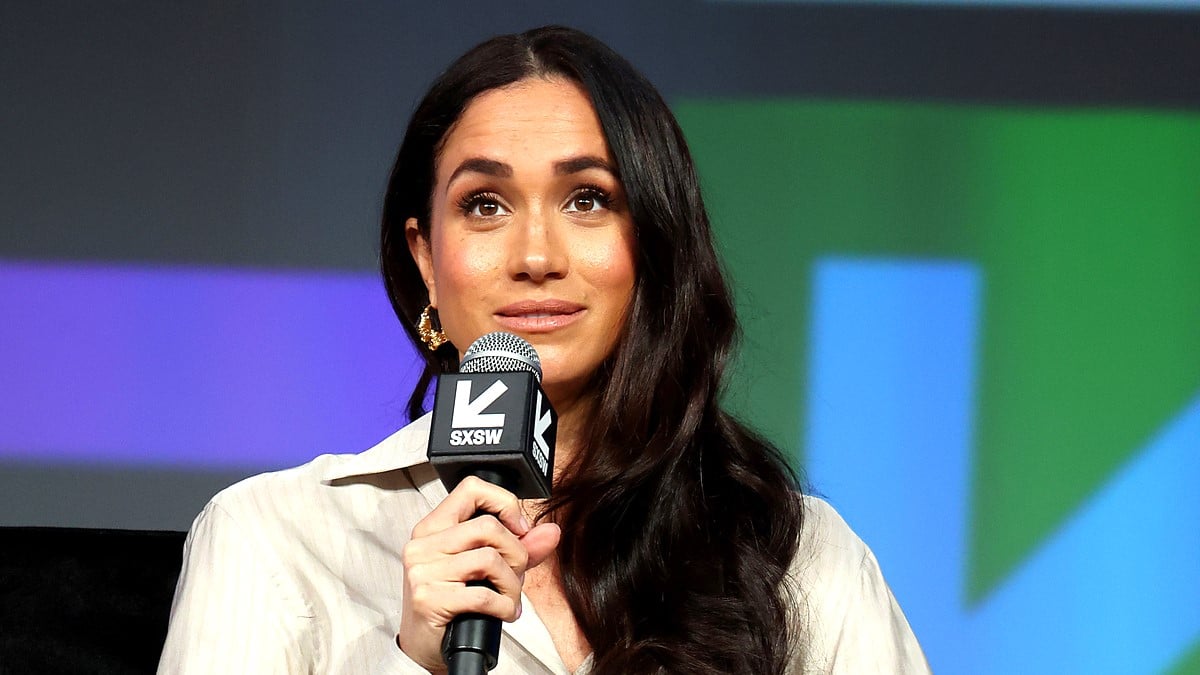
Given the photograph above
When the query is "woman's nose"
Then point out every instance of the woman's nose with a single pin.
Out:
(538, 250)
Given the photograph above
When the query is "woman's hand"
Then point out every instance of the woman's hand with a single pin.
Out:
(449, 547)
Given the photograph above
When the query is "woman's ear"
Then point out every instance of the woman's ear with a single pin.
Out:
(422, 253)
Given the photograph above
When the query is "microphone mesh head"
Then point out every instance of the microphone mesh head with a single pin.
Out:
(501, 352)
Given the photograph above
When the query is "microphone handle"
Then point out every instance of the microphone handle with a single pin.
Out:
(472, 642)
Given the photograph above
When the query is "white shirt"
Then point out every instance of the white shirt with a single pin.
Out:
(299, 571)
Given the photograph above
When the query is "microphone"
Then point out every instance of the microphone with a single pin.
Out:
(493, 421)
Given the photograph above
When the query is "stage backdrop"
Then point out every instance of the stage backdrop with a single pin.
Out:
(964, 237)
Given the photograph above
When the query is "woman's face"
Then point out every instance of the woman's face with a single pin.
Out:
(530, 233)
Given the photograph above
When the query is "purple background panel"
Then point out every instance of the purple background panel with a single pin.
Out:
(196, 366)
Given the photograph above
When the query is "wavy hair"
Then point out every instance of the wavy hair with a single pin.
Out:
(678, 522)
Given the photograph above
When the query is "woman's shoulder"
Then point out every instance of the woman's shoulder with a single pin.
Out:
(850, 621)
(326, 485)
(830, 557)
(271, 558)
(826, 538)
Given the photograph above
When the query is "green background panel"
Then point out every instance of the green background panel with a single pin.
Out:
(1085, 224)
(1189, 664)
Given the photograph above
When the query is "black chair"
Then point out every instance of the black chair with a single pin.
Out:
(84, 600)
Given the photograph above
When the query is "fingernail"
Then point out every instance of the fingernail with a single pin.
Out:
(524, 524)
(518, 611)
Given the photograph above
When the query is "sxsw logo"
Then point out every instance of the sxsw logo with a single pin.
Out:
(541, 422)
(471, 425)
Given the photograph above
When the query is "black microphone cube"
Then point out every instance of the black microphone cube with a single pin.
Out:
(496, 423)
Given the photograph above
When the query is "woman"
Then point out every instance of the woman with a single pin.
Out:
(544, 188)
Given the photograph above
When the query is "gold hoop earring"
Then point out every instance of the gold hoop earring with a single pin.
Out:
(433, 338)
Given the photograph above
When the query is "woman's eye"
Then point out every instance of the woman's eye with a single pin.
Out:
(486, 208)
(483, 206)
(587, 201)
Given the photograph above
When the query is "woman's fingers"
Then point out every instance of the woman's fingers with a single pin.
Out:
(475, 565)
(438, 605)
(540, 542)
(480, 532)
(438, 589)
(430, 607)
(470, 497)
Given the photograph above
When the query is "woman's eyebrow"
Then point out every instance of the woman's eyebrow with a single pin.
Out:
(576, 164)
(488, 167)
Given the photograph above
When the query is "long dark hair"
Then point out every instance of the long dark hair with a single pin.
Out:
(679, 523)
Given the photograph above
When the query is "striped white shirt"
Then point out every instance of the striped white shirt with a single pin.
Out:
(299, 571)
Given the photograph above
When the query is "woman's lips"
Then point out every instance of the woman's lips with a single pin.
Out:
(538, 316)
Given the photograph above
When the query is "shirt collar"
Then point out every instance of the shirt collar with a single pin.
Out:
(406, 448)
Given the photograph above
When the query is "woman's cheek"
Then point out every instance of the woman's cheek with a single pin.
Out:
(467, 278)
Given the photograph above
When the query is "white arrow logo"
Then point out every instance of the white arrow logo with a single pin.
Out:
(468, 414)
(540, 424)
